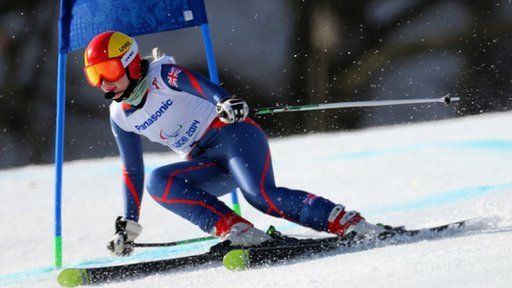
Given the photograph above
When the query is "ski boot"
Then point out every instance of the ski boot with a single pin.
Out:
(351, 224)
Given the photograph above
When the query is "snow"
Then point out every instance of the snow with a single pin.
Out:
(414, 175)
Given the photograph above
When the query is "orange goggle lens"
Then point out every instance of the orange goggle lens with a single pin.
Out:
(110, 70)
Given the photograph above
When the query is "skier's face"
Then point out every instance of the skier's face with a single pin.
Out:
(118, 87)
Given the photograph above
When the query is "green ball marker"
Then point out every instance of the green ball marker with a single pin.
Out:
(71, 277)
(237, 259)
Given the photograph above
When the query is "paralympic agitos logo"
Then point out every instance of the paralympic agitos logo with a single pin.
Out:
(165, 135)
(155, 116)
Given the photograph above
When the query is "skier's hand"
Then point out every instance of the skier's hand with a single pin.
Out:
(121, 243)
(232, 110)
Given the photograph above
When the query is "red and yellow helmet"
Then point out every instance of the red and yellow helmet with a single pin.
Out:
(108, 55)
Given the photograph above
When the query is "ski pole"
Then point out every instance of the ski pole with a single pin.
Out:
(447, 99)
(176, 243)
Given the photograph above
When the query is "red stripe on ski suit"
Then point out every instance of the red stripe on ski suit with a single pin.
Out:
(168, 188)
(195, 83)
(131, 188)
(271, 206)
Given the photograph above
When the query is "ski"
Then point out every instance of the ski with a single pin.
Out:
(240, 259)
(280, 248)
(73, 277)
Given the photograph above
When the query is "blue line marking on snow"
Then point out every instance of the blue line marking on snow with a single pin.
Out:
(445, 198)
(23, 276)
(483, 144)
(496, 145)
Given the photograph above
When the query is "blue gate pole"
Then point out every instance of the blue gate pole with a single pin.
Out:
(210, 56)
(59, 155)
(212, 69)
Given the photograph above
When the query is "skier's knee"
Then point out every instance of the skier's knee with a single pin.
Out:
(156, 182)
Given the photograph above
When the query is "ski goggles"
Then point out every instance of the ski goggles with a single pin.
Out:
(111, 69)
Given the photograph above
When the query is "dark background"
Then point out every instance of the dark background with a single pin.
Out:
(272, 52)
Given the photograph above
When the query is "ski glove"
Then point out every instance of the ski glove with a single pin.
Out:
(121, 243)
(232, 110)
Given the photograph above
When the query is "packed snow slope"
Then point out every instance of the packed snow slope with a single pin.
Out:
(414, 175)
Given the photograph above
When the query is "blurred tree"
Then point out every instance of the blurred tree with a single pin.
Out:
(339, 49)
(485, 79)
(28, 49)
(26, 95)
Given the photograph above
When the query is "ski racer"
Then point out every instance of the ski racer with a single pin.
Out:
(222, 149)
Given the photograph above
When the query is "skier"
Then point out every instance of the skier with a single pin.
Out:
(209, 127)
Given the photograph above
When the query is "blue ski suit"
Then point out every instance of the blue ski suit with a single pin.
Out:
(179, 111)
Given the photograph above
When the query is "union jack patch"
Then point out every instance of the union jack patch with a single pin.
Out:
(309, 199)
(172, 76)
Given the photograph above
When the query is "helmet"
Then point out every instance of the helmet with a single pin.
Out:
(109, 56)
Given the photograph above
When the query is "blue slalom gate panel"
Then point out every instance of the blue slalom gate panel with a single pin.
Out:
(81, 20)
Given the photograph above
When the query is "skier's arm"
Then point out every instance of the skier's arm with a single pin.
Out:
(229, 108)
(182, 79)
(130, 148)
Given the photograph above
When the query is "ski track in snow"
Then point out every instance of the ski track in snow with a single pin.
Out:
(415, 175)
